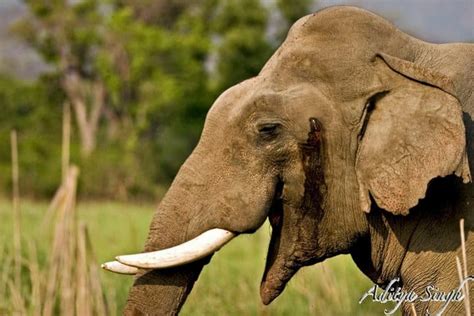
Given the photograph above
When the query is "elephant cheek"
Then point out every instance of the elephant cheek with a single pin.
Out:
(295, 224)
(294, 244)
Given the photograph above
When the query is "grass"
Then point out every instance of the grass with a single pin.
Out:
(228, 285)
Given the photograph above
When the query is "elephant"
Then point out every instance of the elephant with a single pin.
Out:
(355, 138)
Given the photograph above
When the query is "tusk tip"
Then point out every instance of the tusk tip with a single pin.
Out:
(117, 267)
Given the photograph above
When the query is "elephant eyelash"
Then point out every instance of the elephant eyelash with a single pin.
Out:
(268, 130)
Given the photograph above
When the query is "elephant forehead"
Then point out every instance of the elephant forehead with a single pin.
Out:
(344, 23)
(333, 50)
(325, 67)
(280, 103)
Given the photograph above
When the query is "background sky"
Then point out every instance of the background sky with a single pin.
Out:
(431, 20)
(435, 21)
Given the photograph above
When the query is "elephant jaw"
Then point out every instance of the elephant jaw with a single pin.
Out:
(280, 266)
(274, 282)
(278, 271)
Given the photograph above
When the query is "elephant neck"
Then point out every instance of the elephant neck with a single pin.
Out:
(421, 248)
(381, 252)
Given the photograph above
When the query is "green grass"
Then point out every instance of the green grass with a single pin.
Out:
(229, 283)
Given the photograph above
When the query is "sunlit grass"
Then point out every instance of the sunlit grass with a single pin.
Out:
(229, 284)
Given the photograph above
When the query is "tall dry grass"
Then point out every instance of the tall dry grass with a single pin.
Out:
(69, 284)
(462, 270)
(16, 209)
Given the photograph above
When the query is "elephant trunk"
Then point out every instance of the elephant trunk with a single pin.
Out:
(163, 292)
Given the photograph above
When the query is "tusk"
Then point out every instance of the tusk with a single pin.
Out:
(192, 250)
(117, 267)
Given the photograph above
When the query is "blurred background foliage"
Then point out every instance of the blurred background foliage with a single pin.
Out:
(139, 76)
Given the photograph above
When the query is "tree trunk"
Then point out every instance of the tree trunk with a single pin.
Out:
(87, 102)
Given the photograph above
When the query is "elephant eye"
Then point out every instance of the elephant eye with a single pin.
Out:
(268, 130)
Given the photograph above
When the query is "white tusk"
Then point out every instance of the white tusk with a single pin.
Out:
(192, 250)
(117, 267)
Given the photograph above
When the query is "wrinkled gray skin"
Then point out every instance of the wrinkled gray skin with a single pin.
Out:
(394, 113)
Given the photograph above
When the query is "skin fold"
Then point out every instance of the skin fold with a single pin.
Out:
(355, 138)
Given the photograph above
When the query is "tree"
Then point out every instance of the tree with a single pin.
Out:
(68, 35)
(141, 76)
(291, 11)
(242, 47)
(156, 78)
(30, 109)
(162, 13)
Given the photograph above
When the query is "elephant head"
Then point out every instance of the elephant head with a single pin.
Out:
(346, 113)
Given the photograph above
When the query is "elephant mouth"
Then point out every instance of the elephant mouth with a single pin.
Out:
(279, 267)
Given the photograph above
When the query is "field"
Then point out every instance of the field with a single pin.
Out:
(228, 285)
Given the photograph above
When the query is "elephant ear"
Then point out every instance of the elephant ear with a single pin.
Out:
(411, 134)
